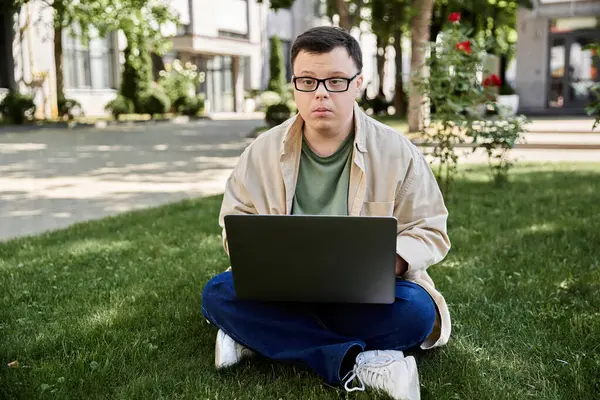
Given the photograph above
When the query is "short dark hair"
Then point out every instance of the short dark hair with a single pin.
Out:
(323, 39)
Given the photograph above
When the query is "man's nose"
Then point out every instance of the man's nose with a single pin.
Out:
(321, 92)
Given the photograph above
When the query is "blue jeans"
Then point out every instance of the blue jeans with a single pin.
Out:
(324, 337)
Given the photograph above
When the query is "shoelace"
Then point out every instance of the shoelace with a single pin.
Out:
(372, 367)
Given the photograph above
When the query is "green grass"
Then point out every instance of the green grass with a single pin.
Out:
(111, 309)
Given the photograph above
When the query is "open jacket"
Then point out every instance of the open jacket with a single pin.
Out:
(389, 176)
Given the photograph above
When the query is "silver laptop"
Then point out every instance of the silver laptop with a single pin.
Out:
(316, 259)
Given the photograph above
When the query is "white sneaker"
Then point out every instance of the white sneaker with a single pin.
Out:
(228, 352)
(386, 370)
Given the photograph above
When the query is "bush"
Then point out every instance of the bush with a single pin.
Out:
(69, 108)
(154, 101)
(267, 99)
(179, 82)
(498, 137)
(277, 114)
(120, 105)
(453, 92)
(593, 108)
(506, 90)
(137, 75)
(193, 106)
(17, 107)
(277, 81)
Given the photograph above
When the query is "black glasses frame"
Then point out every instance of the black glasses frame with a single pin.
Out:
(324, 81)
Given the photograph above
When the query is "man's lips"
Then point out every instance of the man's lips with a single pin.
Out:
(321, 109)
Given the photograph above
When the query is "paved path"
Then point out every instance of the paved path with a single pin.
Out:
(51, 179)
(556, 124)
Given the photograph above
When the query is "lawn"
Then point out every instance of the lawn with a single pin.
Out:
(111, 309)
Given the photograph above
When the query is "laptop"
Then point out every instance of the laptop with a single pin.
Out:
(313, 259)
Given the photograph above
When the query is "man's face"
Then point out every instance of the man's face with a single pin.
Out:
(324, 110)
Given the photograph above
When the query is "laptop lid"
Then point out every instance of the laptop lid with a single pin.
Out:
(320, 259)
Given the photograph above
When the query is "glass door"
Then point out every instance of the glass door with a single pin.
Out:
(573, 68)
(583, 72)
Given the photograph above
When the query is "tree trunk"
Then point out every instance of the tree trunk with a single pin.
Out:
(380, 64)
(58, 55)
(399, 96)
(419, 30)
(342, 9)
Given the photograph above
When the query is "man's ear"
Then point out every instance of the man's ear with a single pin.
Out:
(359, 83)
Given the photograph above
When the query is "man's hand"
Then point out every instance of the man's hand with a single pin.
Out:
(401, 266)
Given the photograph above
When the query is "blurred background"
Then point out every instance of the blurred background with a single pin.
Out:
(58, 50)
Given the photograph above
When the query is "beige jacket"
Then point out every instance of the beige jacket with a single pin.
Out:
(389, 177)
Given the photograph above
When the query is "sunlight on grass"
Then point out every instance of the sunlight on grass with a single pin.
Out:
(86, 246)
(547, 227)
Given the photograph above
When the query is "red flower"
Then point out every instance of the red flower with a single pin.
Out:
(454, 17)
(492, 80)
(464, 46)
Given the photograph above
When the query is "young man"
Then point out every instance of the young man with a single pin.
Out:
(332, 159)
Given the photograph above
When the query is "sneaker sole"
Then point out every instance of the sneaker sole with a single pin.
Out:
(412, 368)
(218, 342)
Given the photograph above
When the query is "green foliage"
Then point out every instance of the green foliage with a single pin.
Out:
(277, 114)
(17, 107)
(193, 105)
(277, 81)
(493, 22)
(120, 105)
(179, 83)
(498, 137)
(136, 75)
(506, 89)
(69, 108)
(453, 91)
(593, 109)
(154, 101)
(456, 98)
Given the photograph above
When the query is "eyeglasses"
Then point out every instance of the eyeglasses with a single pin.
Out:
(335, 85)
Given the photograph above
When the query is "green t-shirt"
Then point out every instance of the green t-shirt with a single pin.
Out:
(322, 187)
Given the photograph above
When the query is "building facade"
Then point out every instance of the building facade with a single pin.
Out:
(554, 69)
(228, 41)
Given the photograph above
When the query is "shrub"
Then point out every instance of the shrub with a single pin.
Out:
(120, 105)
(193, 106)
(69, 108)
(137, 75)
(155, 101)
(498, 137)
(506, 90)
(277, 81)
(179, 82)
(277, 113)
(267, 99)
(593, 108)
(453, 91)
(17, 107)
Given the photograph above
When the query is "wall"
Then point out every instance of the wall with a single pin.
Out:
(532, 48)
(532, 62)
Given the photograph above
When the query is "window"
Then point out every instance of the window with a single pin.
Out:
(88, 66)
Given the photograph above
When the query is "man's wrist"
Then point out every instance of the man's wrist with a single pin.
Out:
(401, 266)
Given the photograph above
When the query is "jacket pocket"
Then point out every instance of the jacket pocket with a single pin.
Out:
(378, 209)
